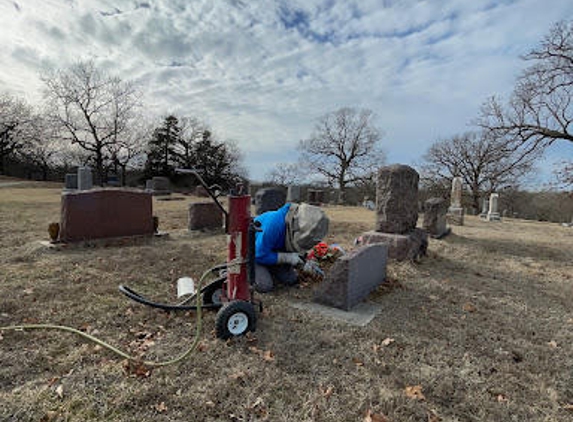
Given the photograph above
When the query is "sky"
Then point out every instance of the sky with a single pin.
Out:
(262, 72)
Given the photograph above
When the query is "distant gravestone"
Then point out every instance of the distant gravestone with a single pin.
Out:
(201, 191)
(396, 199)
(353, 277)
(316, 197)
(484, 208)
(455, 215)
(493, 213)
(160, 186)
(205, 216)
(71, 181)
(269, 199)
(85, 178)
(435, 210)
(293, 193)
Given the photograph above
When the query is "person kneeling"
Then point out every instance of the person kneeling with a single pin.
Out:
(284, 235)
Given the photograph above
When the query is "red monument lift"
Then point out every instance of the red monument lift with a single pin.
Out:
(232, 290)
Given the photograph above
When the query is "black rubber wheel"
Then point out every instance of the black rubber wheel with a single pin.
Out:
(213, 292)
(235, 319)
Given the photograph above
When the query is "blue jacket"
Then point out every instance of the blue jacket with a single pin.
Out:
(271, 238)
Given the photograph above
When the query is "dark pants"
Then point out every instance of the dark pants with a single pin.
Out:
(266, 276)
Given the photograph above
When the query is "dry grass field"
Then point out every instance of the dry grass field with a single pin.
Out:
(481, 329)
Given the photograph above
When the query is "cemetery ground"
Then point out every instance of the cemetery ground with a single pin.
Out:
(479, 330)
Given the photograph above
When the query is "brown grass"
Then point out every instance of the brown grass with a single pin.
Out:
(483, 324)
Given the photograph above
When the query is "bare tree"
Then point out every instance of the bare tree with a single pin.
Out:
(539, 111)
(92, 108)
(344, 148)
(485, 163)
(15, 126)
(42, 147)
(284, 174)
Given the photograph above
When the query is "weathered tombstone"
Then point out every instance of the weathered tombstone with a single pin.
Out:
(205, 216)
(269, 199)
(353, 276)
(316, 197)
(71, 181)
(293, 193)
(113, 180)
(85, 178)
(493, 213)
(149, 185)
(397, 214)
(201, 192)
(484, 208)
(396, 199)
(455, 213)
(160, 186)
(96, 214)
(435, 210)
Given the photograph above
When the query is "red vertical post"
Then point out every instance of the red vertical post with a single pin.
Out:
(238, 238)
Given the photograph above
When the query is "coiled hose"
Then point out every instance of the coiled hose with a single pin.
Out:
(115, 350)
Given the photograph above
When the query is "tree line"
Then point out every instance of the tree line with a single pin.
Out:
(89, 117)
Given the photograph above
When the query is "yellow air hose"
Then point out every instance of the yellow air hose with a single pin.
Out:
(116, 350)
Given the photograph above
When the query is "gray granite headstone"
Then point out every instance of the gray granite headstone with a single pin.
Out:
(396, 199)
(435, 210)
(493, 212)
(85, 178)
(71, 181)
(269, 199)
(484, 208)
(353, 277)
(205, 216)
(160, 186)
(293, 193)
(455, 215)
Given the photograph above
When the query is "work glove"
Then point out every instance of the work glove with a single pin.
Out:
(291, 258)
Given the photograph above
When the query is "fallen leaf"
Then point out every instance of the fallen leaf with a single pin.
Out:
(552, 344)
(327, 392)
(387, 341)
(432, 417)
(60, 391)
(415, 392)
(136, 368)
(238, 375)
(209, 403)
(568, 407)
(202, 347)
(28, 291)
(269, 356)
(161, 407)
(502, 398)
(31, 320)
(469, 307)
(49, 416)
(375, 417)
(358, 362)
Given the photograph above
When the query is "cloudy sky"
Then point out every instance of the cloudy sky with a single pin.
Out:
(262, 71)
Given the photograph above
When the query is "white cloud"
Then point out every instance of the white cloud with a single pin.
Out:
(261, 72)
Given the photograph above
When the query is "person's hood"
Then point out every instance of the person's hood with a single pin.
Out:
(306, 225)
